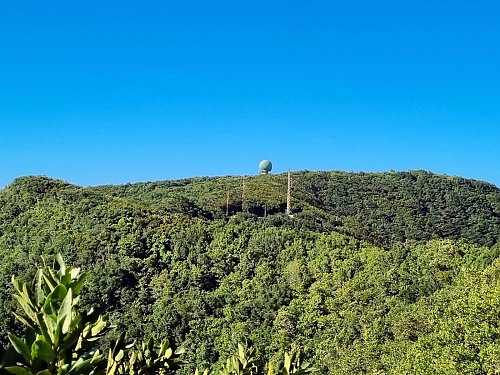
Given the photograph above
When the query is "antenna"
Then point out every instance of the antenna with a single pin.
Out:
(289, 195)
(243, 186)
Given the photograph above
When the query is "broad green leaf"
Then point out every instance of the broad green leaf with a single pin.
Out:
(99, 326)
(64, 315)
(21, 347)
(119, 356)
(168, 353)
(287, 363)
(43, 328)
(57, 334)
(50, 323)
(163, 348)
(75, 272)
(18, 370)
(27, 295)
(79, 283)
(17, 285)
(49, 280)
(180, 350)
(24, 321)
(133, 358)
(42, 350)
(30, 312)
(60, 261)
(78, 366)
(59, 293)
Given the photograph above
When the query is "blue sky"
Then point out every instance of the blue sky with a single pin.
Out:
(98, 92)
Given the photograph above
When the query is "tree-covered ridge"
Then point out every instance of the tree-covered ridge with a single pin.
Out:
(278, 283)
(383, 208)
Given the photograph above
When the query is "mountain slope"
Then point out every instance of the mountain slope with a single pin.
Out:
(164, 261)
(380, 207)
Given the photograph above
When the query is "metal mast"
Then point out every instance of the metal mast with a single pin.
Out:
(243, 195)
(289, 195)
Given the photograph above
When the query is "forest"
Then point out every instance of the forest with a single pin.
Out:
(375, 273)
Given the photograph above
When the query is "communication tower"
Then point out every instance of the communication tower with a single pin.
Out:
(289, 196)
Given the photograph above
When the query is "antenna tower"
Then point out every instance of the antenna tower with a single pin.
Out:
(289, 195)
(243, 186)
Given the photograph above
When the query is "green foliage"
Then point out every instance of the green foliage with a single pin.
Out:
(143, 358)
(383, 208)
(245, 362)
(376, 273)
(59, 338)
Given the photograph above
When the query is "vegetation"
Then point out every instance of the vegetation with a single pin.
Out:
(383, 208)
(60, 340)
(375, 273)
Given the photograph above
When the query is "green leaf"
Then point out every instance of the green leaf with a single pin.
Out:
(54, 298)
(164, 346)
(60, 261)
(29, 311)
(59, 293)
(21, 347)
(119, 356)
(78, 284)
(51, 326)
(57, 334)
(241, 351)
(180, 351)
(64, 315)
(49, 280)
(74, 272)
(168, 353)
(18, 370)
(287, 363)
(99, 326)
(40, 295)
(17, 285)
(79, 365)
(42, 350)
(24, 321)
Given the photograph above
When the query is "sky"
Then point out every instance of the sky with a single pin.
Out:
(109, 92)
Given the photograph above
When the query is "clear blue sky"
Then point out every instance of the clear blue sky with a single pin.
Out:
(98, 92)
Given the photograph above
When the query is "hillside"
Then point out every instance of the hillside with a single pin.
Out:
(369, 275)
(382, 208)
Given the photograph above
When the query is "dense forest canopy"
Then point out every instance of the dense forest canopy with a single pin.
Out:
(383, 208)
(392, 272)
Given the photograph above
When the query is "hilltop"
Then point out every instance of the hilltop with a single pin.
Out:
(383, 208)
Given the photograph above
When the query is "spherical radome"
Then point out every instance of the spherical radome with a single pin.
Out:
(265, 165)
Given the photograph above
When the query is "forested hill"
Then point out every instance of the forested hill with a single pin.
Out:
(339, 280)
(382, 208)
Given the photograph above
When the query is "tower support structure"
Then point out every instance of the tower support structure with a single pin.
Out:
(289, 195)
